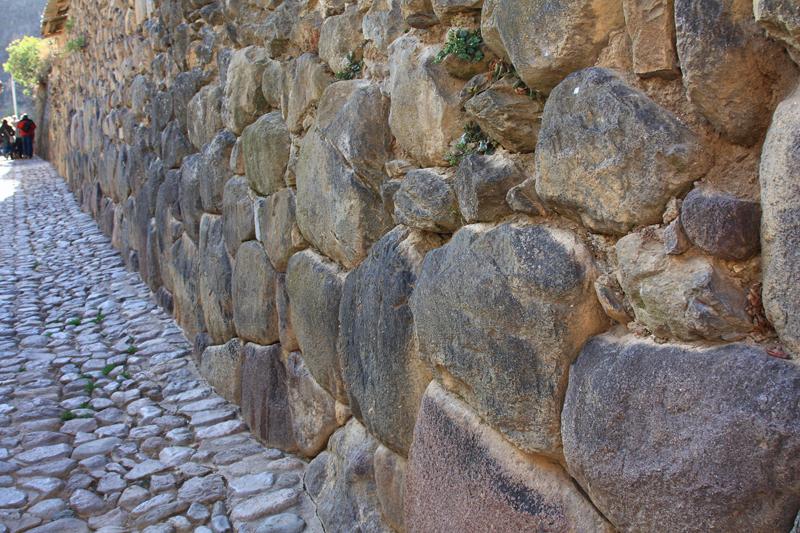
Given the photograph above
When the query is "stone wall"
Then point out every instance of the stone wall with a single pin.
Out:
(547, 282)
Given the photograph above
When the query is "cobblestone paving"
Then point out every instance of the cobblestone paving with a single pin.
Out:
(104, 422)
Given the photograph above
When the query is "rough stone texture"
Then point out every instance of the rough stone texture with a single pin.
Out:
(183, 270)
(339, 171)
(215, 170)
(538, 36)
(418, 13)
(265, 402)
(689, 296)
(190, 202)
(204, 115)
(463, 476)
(781, 19)
(653, 456)
(383, 373)
(505, 339)
(340, 36)
(277, 228)
(215, 280)
(222, 367)
(237, 214)
(780, 222)
(253, 289)
(426, 200)
(721, 224)
(425, 111)
(390, 484)
(651, 26)
(510, 118)
(482, 184)
(313, 411)
(265, 145)
(732, 72)
(307, 85)
(341, 480)
(315, 286)
(616, 169)
(244, 102)
(285, 329)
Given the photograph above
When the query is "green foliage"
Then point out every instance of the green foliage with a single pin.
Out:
(70, 24)
(125, 375)
(462, 43)
(99, 318)
(86, 405)
(25, 61)
(132, 349)
(108, 369)
(89, 387)
(66, 416)
(22, 368)
(352, 70)
(472, 141)
(74, 322)
(77, 44)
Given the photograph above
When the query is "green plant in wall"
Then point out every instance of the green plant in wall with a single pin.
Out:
(70, 24)
(352, 68)
(472, 141)
(77, 44)
(25, 57)
(462, 43)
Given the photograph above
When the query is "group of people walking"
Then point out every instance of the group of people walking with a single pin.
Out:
(16, 142)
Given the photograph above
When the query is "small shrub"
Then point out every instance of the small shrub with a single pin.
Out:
(462, 43)
(74, 322)
(108, 369)
(89, 387)
(70, 24)
(77, 44)
(66, 416)
(132, 350)
(99, 318)
(125, 375)
(22, 368)
(472, 141)
(85, 405)
(352, 70)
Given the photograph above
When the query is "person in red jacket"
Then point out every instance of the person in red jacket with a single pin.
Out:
(26, 129)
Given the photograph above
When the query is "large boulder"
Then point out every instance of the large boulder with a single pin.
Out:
(313, 411)
(254, 310)
(204, 115)
(383, 23)
(425, 110)
(222, 367)
(305, 89)
(546, 40)
(614, 169)
(721, 224)
(183, 270)
(265, 146)
(780, 222)
(384, 375)
(174, 145)
(191, 204)
(276, 225)
(216, 170)
(339, 37)
(265, 401)
(390, 484)
(677, 438)
(426, 200)
(244, 102)
(651, 27)
(482, 184)
(315, 286)
(510, 118)
(464, 476)
(732, 72)
(341, 481)
(215, 280)
(505, 339)
(339, 172)
(237, 213)
(686, 296)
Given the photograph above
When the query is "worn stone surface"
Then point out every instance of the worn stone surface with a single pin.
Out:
(276, 219)
(254, 307)
(390, 484)
(780, 239)
(313, 410)
(215, 279)
(307, 85)
(510, 118)
(462, 475)
(265, 146)
(315, 286)
(215, 166)
(383, 373)
(651, 27)
(222, 367)
(781, 19)
(426, 200)
(341, 480)
(265, 402)
(482, 183)
(732, 72)
(238, 222)
(721, 224)
(617, 169)
(689, 296)
(425, 109)
(204, 115)
(537, 36)
(244, 102)
(641, 448)
(504, 341)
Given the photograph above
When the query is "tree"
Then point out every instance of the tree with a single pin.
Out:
(25, 61)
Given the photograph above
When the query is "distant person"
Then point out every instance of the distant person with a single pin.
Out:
(6, 139)
(27, 130)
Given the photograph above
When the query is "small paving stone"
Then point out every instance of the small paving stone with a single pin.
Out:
(12, 498)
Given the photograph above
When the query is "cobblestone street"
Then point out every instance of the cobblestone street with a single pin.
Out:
(105, 423)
